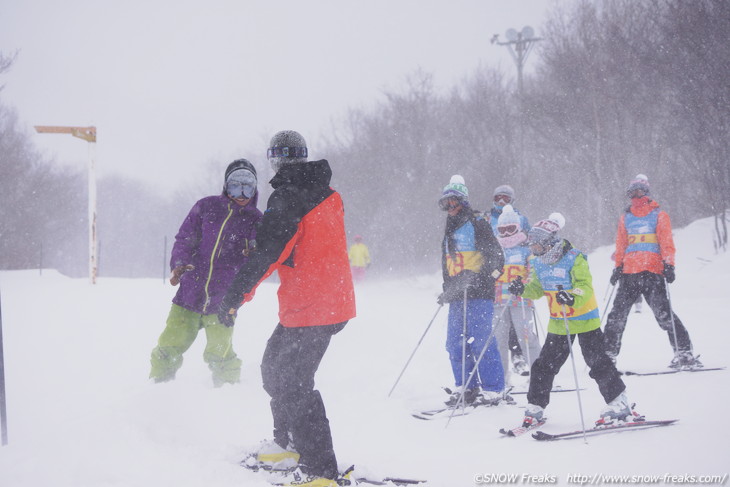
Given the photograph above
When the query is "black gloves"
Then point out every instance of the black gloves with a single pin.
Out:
(669, 272)
(455, 287)
(617, 273)
(177, 273)
(227, 315)
(517, 287)
(564, 297)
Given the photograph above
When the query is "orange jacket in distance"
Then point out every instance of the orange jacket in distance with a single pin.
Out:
(635, 262)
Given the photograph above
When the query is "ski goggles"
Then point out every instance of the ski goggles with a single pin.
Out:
(447, 204)
(286, 152)
(502, 198)
(508, 230)
(636, 193)
(241, 184)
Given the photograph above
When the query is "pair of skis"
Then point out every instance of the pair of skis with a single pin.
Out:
(672, 371)
(446, 411)
(449, 411)
(345, 479)
(598, 430)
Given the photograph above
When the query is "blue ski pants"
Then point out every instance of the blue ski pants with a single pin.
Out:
(490, 374)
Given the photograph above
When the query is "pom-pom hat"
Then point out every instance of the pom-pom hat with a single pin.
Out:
(455, 189)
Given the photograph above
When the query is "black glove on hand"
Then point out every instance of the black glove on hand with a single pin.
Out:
(669, 273)
(455, 287)
(517, 287)
(617, 273)
(564, 297)
(225, 316)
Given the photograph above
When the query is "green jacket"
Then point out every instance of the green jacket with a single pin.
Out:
(581, 287)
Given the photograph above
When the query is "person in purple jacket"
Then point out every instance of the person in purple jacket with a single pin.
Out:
(212, 244)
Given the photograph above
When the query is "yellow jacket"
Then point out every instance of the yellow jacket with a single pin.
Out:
(359, 255)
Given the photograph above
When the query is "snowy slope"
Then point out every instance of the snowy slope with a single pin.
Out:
(82, 412)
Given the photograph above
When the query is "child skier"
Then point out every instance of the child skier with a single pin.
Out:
(471, 262)
(513, 312)
(504, 195)
(561, 273)
(645, 266)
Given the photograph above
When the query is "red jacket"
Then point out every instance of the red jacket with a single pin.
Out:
(302, 235)
(639, 261)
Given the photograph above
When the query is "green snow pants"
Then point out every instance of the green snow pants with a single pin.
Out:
(180, 333)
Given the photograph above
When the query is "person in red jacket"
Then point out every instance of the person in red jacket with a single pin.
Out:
(302, 236)
(645, 266)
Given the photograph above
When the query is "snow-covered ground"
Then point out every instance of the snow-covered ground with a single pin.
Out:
(82, 412)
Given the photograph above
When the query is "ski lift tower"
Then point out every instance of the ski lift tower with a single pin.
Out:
(89, 135)
(520, 45)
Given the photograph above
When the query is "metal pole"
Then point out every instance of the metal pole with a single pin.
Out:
(671, 315)
(526, 333)
(414, 350)
(463, 352)
(92, 213)
(607, 303)
(3, 408)
(572, 361)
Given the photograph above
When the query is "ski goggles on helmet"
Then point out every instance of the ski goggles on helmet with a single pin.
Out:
(508, 230)
(241, 184)
(286, 152)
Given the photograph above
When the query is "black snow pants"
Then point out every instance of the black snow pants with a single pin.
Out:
(290, 361)
(556, 351)
(654, 289)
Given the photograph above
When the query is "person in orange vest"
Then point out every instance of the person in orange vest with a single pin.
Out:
(645, 266)
(359, 259)
(302, 237)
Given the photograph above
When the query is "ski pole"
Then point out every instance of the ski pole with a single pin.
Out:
(536, 320)
(671, 315)
(460, 402)
(613, 288)
(463, 349)
(572, 360)
(414, 350)
(525, 333)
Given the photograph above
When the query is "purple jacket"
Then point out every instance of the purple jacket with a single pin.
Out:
(213, 238)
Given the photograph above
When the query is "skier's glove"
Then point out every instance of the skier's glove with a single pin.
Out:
(177, 273)
(227, 315)
(455, 287)
(517, 287)
(669, 273)
(564, 297)
(617, 273)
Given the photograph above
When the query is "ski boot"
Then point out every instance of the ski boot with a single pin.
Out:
(272, 457)
(534, 415)
(684, 360)
(618, 411)
(520, 366)
(298, 478)
(470, 396)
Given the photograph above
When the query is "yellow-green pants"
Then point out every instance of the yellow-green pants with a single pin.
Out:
(180, 333)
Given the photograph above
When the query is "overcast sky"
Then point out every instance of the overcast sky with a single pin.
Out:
(173, 85)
